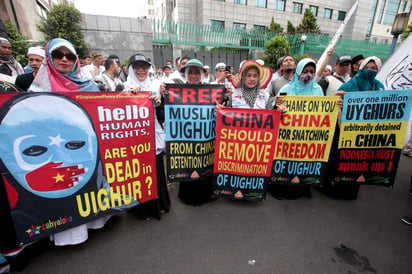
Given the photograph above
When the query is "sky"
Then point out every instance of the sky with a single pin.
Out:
(122, 8)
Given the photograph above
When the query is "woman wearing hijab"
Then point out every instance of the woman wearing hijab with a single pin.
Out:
(250, 84)
(60, 71)
(139, 80)
(199, 192)
(250, 87)
(194, 72)
(302, 84)
(364, 80)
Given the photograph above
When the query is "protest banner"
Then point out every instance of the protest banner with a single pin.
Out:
(244, 152)
(190, 125)
(305, 139)
(69, 158)
(371, 137)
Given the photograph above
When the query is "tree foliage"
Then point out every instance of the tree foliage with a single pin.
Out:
(298, 57)
(18, 42)
(406, 32)
(308, 24)
(275, 48)
(64, 21)
(274, 27)
(290, 29)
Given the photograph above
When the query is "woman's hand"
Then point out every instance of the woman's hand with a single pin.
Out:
(281, 104)
(163, 88)
(136, 90)
(282, 109)
(340, 100)
(220, 106)
(156, 100)
(228, 91)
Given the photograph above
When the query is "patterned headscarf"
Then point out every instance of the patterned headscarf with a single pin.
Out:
(250, 94)
(49, 79)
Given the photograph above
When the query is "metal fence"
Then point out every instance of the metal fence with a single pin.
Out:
(186, 33)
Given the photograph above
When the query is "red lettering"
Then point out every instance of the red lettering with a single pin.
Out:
(203, 95)
(173, 92)
(189, 95)
(305, 120)
(390, 166)
(345, 166)
(217, 95)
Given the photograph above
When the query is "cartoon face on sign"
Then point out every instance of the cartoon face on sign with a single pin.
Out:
(48, 145)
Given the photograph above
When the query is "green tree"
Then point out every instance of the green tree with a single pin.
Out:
(18, 42)
(290, 29)
(406, 32)
(298, 57)
(308, 24)
(274, 27)
(275, 48)
(63, 21)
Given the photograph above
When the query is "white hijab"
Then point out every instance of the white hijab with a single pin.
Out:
(152, 86)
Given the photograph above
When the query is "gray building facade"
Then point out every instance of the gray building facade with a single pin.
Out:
(372, 20)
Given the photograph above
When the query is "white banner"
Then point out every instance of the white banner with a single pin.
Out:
(396, 72)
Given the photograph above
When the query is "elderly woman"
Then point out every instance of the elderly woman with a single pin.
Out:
(139, 80)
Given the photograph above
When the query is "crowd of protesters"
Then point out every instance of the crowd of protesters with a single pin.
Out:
(57, 67)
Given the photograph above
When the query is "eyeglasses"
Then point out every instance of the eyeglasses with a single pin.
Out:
(139, 65)
(59, 55)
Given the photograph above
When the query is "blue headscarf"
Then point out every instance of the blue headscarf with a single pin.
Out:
(49, 79)
(297, 88)
(365, 80)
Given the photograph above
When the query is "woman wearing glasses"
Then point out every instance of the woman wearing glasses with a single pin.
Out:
(60, 70)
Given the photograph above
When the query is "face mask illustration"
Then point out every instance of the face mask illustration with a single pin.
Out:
(48, 145)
